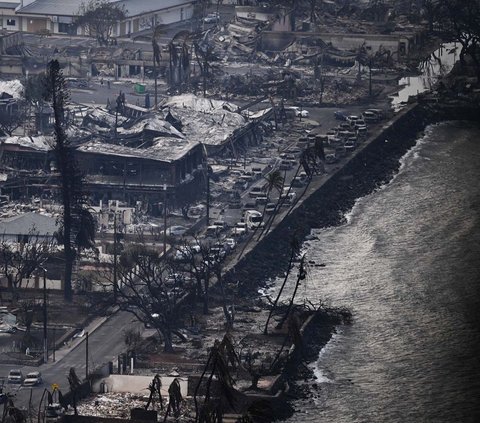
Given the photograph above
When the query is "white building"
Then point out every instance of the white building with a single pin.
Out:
(58, 16)
(8, 19)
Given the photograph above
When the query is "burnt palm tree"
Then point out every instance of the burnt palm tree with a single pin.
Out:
(157, 56)
(180, 55)
(220, 363)
(77, 224)
(74, 384)
(294, 251)
(174, 399)
(274, 181)
(155, 388)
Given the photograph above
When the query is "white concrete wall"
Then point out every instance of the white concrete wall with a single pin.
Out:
(55, 284)
(137, 384)
(6, 14)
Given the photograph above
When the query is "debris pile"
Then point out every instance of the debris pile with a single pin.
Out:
(13, 88)
(119, 405)
(113, 405)
(205, 120)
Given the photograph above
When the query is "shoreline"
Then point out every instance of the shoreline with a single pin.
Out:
(325, 206)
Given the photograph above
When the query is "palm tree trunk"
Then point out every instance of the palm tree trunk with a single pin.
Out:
(301, 276)
(290, 266)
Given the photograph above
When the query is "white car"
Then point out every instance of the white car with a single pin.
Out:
(350, 145)
(299, 111)
(33, 379)
(211, 18)
(270, 208)
(230, 242)
(183, 254)
(239, 230)
(15, 376)
(176, 230)
(302, 113)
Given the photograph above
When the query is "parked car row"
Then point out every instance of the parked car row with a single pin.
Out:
(369, 115)
(245, 177)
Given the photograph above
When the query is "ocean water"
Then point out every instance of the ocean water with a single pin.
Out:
(407, 263)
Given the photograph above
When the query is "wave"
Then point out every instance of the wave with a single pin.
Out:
(318, 372)
(406, 161)
(414, 153)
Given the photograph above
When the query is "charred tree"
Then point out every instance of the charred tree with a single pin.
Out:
(78, 226)
(99, 18)
(295, 248)
(19, 262)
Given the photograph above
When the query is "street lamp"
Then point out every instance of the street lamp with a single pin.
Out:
(115, 283)
(45, 344)
(206, 169)
(164, 220)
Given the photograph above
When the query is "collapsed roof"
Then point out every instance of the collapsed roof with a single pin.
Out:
(13, 87)
(163, 149)
(38, 143)
(205, 120)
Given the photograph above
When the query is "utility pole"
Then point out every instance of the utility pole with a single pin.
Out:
(86, 355)
(156, 59)
(370, 77)
(207, 178)
(164, 220)
(156, 82)
(45, 345)
(115, 286)
(54, 340)
(208, 196)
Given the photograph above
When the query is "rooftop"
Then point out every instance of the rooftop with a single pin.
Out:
(9, 4)
(164, 149)
(205, 120)
(53, 7)
(153, 123)
(71, 7)
(136, 7)
(39, 143)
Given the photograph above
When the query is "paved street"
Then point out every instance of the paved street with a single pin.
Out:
(98, 94)
(104, 344)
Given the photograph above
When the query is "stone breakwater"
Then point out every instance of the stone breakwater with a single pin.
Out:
(333, 195)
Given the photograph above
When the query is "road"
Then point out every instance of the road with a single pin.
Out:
(104, 345)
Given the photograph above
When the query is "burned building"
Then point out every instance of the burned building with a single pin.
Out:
(217, 124)
(25, 153)
(134, 156)
(140, 173)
